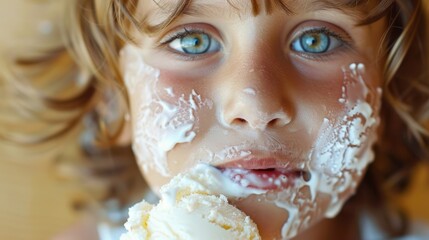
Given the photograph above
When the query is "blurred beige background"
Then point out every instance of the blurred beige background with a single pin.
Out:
(35, 201)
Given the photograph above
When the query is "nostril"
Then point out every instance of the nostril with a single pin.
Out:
(273, 122)
(259, 120)
(277, 122)
(279, 119)
(239, 121)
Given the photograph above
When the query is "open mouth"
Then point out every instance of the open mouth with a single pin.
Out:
(265, 179)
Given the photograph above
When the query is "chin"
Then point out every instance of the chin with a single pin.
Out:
(279, 218)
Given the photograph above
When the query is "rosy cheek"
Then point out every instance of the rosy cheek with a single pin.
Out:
(342, 150)
(162, 116)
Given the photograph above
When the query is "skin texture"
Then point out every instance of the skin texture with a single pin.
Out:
(255, 96)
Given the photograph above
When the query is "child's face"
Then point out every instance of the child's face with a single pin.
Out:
(283, 103)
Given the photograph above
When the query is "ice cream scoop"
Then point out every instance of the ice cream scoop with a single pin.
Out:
(189, 210)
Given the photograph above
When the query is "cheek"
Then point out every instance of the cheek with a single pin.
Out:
(343, 148)
(339, 156)
(164, 114)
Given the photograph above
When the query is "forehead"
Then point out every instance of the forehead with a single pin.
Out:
(215, 8)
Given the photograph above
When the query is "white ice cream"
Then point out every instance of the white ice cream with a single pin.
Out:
(190, 209)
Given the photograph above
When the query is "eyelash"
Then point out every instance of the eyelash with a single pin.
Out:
(186, 31)
(179, 34)
(343, 38)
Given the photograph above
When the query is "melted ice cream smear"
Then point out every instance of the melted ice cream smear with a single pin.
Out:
(341, 153)
(204, 178)
(162, 121)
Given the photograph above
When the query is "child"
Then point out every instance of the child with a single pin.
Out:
(293, 98)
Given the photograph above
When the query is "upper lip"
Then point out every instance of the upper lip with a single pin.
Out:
(263, 161)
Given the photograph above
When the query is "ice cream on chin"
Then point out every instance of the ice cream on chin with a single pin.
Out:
(192, 208)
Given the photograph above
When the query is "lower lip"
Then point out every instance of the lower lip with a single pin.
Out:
(263, 179)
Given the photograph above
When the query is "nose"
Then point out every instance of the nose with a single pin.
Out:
(256, 98)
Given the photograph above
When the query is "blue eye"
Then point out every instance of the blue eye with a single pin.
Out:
(194, 43)
(316, 42)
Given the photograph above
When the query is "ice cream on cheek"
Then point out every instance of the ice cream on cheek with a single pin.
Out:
(338, 159)
(344, 147)
(162, 117)
(340, 154)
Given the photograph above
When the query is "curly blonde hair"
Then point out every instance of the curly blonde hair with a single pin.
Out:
(97, 29)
